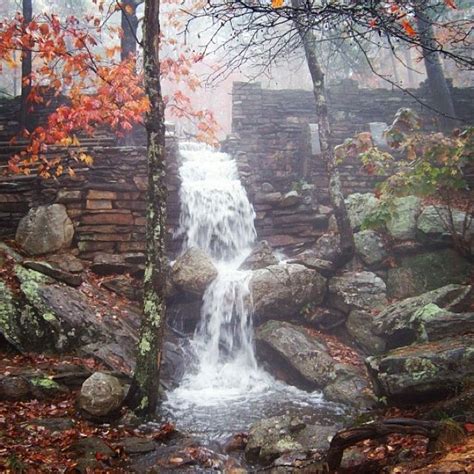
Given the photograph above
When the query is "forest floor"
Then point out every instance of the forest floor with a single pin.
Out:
(51, 435)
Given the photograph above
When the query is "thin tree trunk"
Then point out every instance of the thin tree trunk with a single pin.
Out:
(440, 93)
(26, 67)
(409, 64)
(129, 23)
(335, 186)
(143, 394)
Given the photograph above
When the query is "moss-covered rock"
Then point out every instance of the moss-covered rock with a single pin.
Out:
(415, 319)
(402, 222)
(431, 369)
(427, 271)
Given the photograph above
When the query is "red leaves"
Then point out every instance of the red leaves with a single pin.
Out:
(450, 3)
(410, 31)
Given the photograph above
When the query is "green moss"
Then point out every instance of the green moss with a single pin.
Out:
(50, 317)
(420, 368)
(45, 383)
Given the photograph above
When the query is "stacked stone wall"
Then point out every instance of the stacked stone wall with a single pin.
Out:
(272, 144)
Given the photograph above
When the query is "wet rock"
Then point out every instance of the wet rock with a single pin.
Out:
(404, 322)
(402, 222)
(431, 223)
(360, 325)
(417, 372)
(43, 387)
(324, 318)
(136, 445)
(370, 247)
(261, 256)
(310, 259)
(427, 271)
(268, 198)
(57, 274)
(359, 206)
(357, 290)
(45, 229)
(280, 291)
(101, 395)
(328, 247)
(271, 438)
(127, 287)
(303, 359)
(193, 272)
(184, 316)
(267, 188)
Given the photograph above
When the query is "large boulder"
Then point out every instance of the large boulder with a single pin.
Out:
(417, 274)
(101, 395)
(357, 290)
(271, 438)
(432, 221)
(45, 229)
(302, 358)
(261, 256)
(193, 271)
(359, 206)
(413, 373)
(279, 291)
(417, 318)
(402, 222)
(370, 247)
(311, 259)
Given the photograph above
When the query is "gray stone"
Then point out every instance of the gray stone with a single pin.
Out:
(193, 272)
(45, 229)
(309, 258)
(273, 437)
(370, 247)
(328, 247)
(427, 271)
(432, 222)
(402, 223)
(14, 388)
(359, 206)
(360, 326)
(357, 290)
(403, 323)
(136, 445)
(303, 360)
(101, 395)
(261, 256)
(290, 199)
(279, 291)
(57, 274)
(412, 373)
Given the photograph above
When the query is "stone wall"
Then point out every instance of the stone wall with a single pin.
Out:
(272, 144)
(106, 201)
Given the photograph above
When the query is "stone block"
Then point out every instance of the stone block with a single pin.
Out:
(99, 204)
(100, 194)
(112, 218)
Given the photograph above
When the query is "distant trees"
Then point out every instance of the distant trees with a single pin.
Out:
(129, 23)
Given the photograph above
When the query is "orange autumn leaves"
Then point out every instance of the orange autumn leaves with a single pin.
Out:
(72, 62)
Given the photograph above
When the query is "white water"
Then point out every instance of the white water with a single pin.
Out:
(226, 389)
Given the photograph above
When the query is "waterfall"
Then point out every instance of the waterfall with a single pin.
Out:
(224, 390)
(217, 217)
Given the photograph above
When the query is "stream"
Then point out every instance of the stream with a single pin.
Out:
(224, 390)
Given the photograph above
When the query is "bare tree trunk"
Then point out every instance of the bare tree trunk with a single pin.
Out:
(143, 394)
(439, 89)
(129, 23)
(409, 67)
(335, 186)
(26, 67)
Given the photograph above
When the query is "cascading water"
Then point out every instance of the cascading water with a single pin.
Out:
(225, 390)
